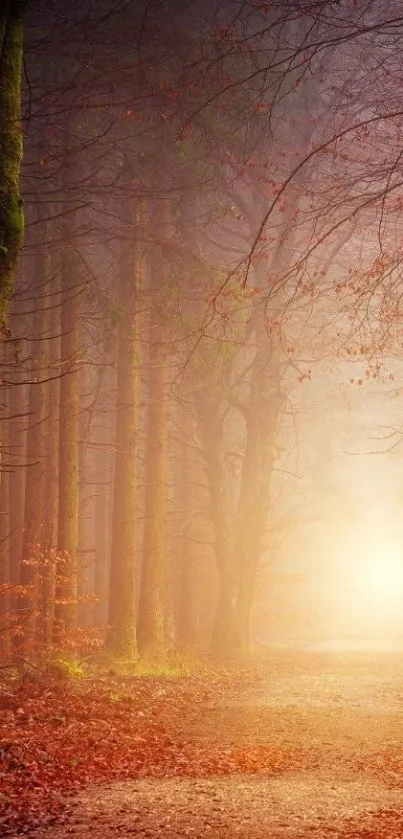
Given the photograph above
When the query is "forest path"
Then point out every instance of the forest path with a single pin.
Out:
(255, 806)
(325, 733)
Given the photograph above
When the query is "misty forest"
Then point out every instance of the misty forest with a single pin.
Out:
(201, 411)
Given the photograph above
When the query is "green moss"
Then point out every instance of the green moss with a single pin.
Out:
(66, 667)
(11, 149)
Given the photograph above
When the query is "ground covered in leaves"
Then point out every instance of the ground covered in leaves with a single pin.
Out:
(296, 744)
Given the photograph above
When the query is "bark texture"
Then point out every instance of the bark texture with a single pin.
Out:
(187, 617)
(261, 415)
(51, 458)
(66, 584)
(153, 591)
(11, 215)
(150, 627)
(122, 630)
(225, 633)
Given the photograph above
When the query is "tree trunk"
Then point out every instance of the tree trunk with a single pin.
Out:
(150, 625)
(11, 216)
(103, 470)
(31, 553)
(50, 463)
(50, 479)
(153, 591)
(5, 577)
(66, 574)
(225, 634)
(187, 618)
(101, 555)
(32, 533)
(121, 638)
(86, 502)
(262, 414)
(17, 436)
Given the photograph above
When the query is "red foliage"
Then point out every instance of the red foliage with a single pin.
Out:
(54, 741)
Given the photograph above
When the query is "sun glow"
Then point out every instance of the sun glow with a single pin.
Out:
(385, 573)
(365, 589)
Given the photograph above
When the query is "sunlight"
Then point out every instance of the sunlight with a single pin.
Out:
(360, 587)
(385, 573)
(373, 583)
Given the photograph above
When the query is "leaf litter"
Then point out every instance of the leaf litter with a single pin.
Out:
(231, 732)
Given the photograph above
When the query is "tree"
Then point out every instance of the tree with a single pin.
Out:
(122, 621)
(31, 559)
(67, 532)
(11, 215)
(282, 160)
(153, 587)
(189, 573)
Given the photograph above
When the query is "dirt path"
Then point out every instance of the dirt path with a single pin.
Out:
(294, 805)
(334, 727)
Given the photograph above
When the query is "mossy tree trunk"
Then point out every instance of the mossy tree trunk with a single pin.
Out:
(11, 215)
(5, 577)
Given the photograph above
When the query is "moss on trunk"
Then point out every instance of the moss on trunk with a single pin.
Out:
(11, 215)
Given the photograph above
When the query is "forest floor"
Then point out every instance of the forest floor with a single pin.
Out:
(297, 744)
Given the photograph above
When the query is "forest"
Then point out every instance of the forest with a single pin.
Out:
(202, 330)
(210, 214)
